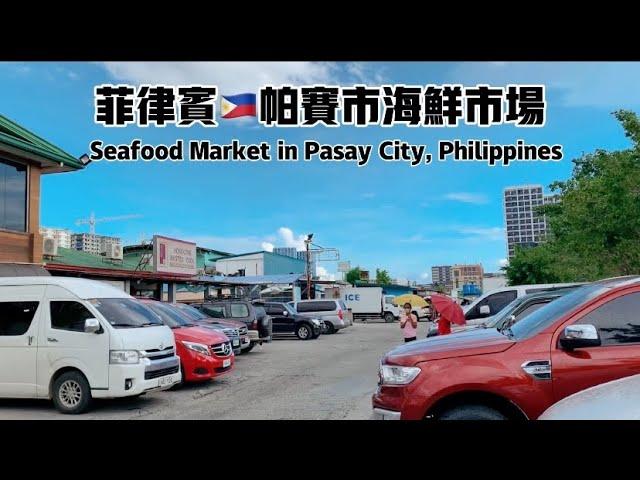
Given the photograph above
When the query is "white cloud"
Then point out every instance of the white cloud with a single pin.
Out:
(267, 246)
(417, 238)
(291, 240)
(503, 262)
(425, 276)
(486, 233)
(237, 77)
(466, 197)
(324, 274)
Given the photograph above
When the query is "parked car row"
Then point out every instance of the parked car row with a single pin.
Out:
(586, 336)
(72, 340)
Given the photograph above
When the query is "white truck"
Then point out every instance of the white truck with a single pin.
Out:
(367, 302)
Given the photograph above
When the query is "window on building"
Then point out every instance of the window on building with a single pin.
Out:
(13, 196)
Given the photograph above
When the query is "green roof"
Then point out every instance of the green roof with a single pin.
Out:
(69, 256)
(15, 136)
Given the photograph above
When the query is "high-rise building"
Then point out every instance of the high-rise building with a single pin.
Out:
(524, 226)
(441, 275)
(467, 275)
(63, 236)
(95, 244)
(286, 251)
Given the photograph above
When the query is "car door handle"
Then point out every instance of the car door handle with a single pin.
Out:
(52, 340)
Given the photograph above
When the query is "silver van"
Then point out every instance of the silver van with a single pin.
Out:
(334, 313)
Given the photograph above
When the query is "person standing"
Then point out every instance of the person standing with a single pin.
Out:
(408, 323)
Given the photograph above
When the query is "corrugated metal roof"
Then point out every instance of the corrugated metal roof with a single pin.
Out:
(69, 256)
(22, 270)
(16, 136)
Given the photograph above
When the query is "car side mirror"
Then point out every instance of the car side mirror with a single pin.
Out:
(91, 325)
(580, 336)
(485, 310)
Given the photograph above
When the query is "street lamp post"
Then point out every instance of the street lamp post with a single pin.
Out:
(307, 243)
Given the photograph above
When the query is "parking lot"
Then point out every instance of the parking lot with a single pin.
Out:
(332, 377)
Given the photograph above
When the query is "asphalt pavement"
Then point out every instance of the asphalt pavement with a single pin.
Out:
(332, 377)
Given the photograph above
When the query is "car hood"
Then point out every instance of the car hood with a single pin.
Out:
(223, 323)
(207, 336)
(479, 341)
(147, 338)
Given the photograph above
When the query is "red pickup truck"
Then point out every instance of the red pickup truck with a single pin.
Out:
(585, 338)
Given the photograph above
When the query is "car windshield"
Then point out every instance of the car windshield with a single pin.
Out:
(171, 317)
(497, 320)
(547, 315)
(289, 308)
(192, 312)
(125, 312)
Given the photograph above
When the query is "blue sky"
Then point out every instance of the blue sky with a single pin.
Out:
(384, 215)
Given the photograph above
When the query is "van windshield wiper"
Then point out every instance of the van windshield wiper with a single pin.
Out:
(130, 325)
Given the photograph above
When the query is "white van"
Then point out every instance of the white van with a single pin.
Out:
(71, 340)
(491, 303)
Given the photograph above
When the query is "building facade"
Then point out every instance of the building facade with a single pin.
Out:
(467, 275)
(441, 275)
(259, 263)
(286, 251)
(94, 244)
(524, 226)
(492, 281)
(24, 157)
(61, 235)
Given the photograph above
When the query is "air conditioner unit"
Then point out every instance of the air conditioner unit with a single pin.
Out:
(114, 252)
(50, 247)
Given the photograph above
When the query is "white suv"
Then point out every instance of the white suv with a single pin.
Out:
(334, 313)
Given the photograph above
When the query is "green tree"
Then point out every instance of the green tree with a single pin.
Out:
(382, 277)
(353, 275)
(595, 226)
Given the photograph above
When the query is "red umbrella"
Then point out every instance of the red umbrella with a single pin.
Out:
(448, 309)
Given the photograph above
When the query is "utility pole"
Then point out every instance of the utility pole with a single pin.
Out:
(307, 243)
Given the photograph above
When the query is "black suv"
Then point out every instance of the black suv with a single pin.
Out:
(287, 320)
(253, 315)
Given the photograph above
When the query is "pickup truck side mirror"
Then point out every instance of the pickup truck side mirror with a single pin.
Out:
(484, 310)
(580, 336)
(91, 325)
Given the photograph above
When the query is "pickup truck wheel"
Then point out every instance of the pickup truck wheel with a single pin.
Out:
(304, 332)
(248, 349)
(471, 412)
(330, 328)
(389, 317)
(71, 393)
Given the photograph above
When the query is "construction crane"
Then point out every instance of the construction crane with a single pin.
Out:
(92, 220)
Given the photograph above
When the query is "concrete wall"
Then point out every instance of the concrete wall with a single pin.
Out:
(252, 265)
(281, 265)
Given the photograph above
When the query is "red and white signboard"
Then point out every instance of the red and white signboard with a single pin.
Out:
(174, 256)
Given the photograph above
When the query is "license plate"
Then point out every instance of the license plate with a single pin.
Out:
(226, 363)
(164, 381)
(236, 343)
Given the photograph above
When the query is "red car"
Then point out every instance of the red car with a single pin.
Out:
(585, 338)
(204, 353)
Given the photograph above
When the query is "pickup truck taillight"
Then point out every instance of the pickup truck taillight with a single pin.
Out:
(340, 315)
(254, 324)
